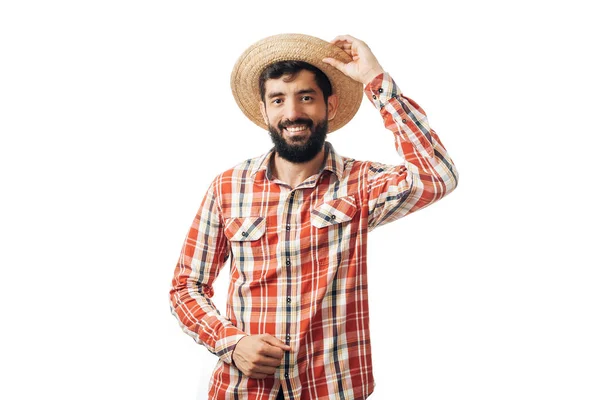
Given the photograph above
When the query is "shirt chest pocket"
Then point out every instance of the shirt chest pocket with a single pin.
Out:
(333, 212)
(245, 229)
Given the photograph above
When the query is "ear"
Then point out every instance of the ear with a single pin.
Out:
(332, 106)
(263, 112)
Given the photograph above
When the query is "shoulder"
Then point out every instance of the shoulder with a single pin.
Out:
(239, 173)
(353, 168)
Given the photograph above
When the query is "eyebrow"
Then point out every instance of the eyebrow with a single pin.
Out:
(303, 91)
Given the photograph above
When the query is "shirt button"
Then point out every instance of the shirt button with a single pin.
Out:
(287, 227)
(374, 97)
(403, 120)
(244, 234)
(289, 300)
(288, 337)
(333, 217)
(286, 375)
(380, 90)
(288, 262)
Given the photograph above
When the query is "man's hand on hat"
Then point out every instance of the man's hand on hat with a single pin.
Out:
(364, 67)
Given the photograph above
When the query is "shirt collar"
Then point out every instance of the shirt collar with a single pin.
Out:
(333, 162)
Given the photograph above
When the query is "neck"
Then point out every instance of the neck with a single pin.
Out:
(294, 174)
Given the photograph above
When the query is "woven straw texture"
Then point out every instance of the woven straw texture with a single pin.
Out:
(297, 47)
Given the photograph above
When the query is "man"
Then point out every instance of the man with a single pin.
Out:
(295, 223)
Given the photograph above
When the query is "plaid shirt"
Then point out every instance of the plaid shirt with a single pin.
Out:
(299, 258)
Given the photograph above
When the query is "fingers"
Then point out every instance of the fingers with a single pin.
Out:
(348, 43)
(345, 38)
(334, 63)
(344, 42)
(261, 371)
(273, 341)
(347, 47)
(267, 361)
(259, 356)
(264, 369)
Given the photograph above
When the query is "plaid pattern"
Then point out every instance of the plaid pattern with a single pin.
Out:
(298, 258)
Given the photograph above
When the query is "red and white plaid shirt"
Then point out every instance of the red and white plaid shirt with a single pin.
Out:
(299, 258)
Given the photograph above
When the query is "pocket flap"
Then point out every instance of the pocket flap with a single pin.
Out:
(333, 212)
(245, 228)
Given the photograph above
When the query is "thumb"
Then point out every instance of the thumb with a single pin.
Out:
(335, 63)
(273, 341)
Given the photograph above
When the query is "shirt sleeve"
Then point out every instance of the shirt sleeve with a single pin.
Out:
(426, 172)
(204, 253)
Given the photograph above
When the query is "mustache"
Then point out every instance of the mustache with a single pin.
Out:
(300, 121)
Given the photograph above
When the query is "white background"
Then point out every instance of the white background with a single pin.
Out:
(115, 116)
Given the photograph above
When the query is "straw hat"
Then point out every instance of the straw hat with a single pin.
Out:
(296, 47)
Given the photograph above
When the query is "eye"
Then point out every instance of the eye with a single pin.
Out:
(306, 98)
(277, 101)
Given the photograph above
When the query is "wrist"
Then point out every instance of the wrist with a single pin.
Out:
(372, 74)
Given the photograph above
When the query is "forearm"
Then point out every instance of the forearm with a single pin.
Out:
(415, 140)
(203, 255)
(198, 316)
(426, 172)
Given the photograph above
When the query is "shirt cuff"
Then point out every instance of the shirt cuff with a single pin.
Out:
(225, 346)
(381, 90)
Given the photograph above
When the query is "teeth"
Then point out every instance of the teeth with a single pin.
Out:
(295, 128)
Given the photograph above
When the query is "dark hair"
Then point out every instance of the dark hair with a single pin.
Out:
(292, 68)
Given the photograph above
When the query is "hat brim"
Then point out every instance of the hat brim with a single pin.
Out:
(293, 47)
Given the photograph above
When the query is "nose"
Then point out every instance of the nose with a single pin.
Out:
(293, 110)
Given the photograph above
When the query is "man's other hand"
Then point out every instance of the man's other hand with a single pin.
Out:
(258, 356)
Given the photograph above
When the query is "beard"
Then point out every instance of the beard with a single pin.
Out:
(298, 151)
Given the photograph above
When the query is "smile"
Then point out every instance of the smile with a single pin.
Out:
(296, 128)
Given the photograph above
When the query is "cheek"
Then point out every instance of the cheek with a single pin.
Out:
(273, 116)
(318, 113)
